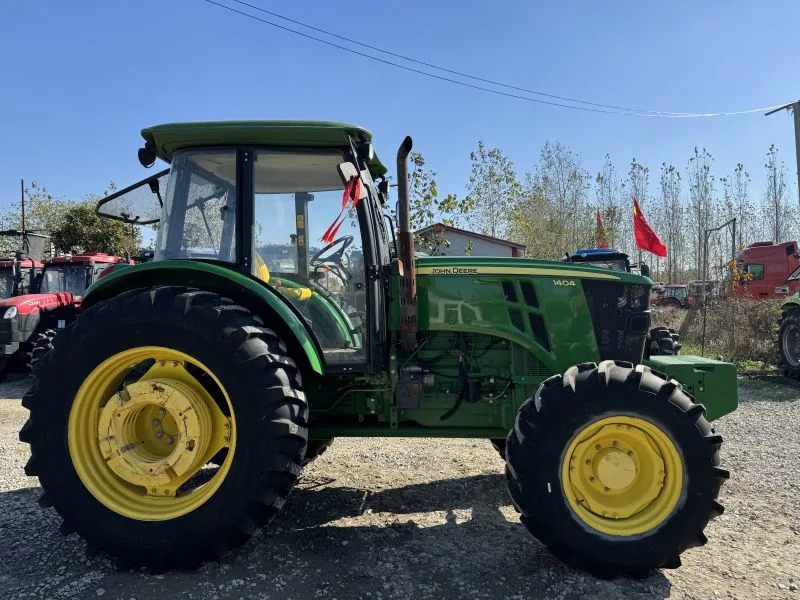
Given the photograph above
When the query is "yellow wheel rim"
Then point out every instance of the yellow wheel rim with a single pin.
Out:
(140, 445)
(622, 475)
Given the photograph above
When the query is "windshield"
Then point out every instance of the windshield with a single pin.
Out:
(139, 203)
(7, 282)
(65, 278)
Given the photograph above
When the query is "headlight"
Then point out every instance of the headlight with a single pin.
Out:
(10, 313)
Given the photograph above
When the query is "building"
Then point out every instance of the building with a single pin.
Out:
(459, 240)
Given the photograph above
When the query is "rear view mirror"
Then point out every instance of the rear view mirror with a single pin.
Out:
(383, 191)
(347, 171)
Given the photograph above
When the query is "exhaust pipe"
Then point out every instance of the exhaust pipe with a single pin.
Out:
(405, 239)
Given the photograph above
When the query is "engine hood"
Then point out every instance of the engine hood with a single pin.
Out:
(31, 303)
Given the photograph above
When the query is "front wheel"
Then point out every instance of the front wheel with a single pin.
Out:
(614, 469)
(132, 403)
(789, 342)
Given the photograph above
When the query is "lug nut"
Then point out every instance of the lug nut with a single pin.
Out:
(615, 443)
(162, 411)
(605, 489)
(597, 446)
(588, 461)
(591, 478)
(156, 422)
(159, 434)
(170, 440)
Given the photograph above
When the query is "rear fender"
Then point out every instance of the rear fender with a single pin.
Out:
(277, 313)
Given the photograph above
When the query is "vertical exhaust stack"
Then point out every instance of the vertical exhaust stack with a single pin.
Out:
(405, 239)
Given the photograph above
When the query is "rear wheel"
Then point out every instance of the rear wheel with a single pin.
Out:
(134, 401)
(500, 446)
(789, 342)
(614, 469)
(316, 448)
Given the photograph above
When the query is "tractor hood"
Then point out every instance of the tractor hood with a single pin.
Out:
(480, 265)
(31, 303)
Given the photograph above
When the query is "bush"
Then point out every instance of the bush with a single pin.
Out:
(738, 330)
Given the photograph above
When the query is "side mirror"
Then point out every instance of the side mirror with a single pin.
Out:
(645, 270)
(383, 191)
(347, 171)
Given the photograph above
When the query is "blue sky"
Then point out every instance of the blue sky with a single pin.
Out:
(80, 79)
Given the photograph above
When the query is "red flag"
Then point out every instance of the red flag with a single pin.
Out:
(646, 238)
(600, 233)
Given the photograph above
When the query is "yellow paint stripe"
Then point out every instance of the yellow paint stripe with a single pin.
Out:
(468, 270)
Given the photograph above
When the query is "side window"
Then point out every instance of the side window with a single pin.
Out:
(756, 272)
(199, 214)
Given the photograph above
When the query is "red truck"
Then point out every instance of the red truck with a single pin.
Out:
(769, 270)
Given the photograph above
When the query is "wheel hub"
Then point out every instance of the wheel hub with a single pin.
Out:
(154, 432)
(615, 475)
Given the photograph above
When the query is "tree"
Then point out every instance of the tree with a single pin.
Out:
(777, 214)
(428, 209)
(493, 189)
(737, 205)
(554, 215)
(81, 230)
(701, 196)
(43, 213)
(673, 223)
(608, 193)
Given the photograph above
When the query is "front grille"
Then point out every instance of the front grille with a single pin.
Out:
(5, 331)
(620, 317)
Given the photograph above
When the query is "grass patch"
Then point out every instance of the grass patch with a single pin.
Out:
(767, 390)
(743, 365)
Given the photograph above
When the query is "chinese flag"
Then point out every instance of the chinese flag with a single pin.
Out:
(600, 234)
(646, 238)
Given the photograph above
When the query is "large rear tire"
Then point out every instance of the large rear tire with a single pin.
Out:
(789, 342)
(614, 469)
(172, 376)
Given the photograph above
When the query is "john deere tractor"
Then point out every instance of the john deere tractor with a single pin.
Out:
(172, 418)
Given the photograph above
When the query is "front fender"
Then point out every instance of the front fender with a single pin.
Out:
(792, 301)
(247, 291)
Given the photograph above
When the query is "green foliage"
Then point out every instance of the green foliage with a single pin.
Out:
(427, 208)
(43, 213)
(492, 191)
(81, 230)
(554, 215)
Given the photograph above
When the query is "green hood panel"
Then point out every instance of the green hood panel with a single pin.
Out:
(215, 277)
(516, 267)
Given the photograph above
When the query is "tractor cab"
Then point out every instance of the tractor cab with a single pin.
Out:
(21, 268)
(19, 275)
(303, 219)
(74, 273)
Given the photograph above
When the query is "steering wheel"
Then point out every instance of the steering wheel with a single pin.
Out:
(335, 258)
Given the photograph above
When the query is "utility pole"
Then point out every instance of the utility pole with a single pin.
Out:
(22, 202)
(795, 108)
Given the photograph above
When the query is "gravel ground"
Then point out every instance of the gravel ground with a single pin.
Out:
(388, 518)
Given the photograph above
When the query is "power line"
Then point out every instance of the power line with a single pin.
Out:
(598, 107)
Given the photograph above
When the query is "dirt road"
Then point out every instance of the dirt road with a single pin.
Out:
(387, 518)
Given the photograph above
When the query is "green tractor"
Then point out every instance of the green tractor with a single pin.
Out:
(174, 416)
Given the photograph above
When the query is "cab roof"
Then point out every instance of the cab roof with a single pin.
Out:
(171, 137)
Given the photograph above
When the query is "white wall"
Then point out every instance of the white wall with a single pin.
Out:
(480, 247)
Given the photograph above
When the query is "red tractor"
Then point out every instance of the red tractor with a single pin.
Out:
(35, 318)
(675, 296)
